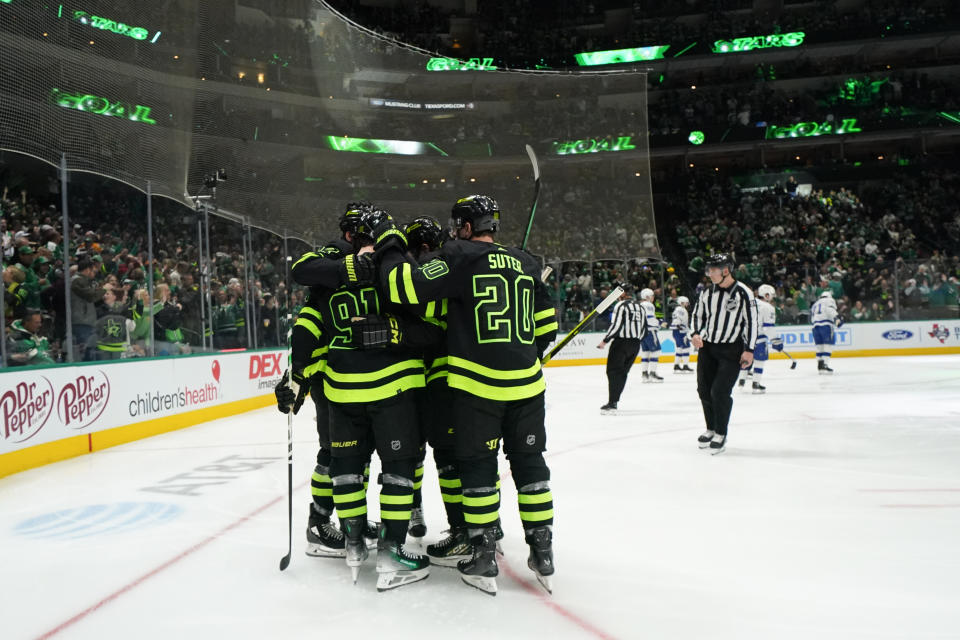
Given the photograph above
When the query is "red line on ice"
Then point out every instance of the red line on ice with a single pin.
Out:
(132, 585)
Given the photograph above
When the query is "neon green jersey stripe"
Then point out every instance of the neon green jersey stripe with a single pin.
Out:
(374, 376)
(480, 518)
(351, 513)
(373, 394)
(546, 313)
(350, 497)
(496, 374)
(450, 483)
(306, 256)
(310, 311)
(545, 329)
(408, 284)
(309, 325)
(394, 290)
(502, 394)
(389, 499)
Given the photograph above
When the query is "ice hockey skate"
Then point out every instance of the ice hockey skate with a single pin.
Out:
(480, 571)
(451, 550)
(324, 539)
(759, 388)
(718, 444)
(397, 565)
(418, 526)
(646, 377)
(354, 546)
(823, 368)
(686, 369)
(705, 438)
(654, 377)
(609, 409)
(540, 559)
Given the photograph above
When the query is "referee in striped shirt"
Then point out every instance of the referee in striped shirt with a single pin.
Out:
(626, 331)
(724, 329)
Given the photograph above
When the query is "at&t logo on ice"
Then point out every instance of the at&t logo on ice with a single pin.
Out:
(26, 408)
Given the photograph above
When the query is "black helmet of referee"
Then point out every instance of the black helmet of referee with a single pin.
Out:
(720, 261)
(482, 212)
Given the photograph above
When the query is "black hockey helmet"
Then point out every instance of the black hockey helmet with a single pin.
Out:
(482, 212)
(350, 220)
(719, 260)
(424, 231)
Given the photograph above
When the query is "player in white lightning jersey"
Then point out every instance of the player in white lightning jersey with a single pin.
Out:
(767, 317)
(826, 320)
(680, 323)
(650, 344)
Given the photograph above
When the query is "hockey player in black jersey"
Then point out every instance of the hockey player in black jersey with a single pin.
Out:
(309, 347)
(374, 365)
(499, 319)
(424, 237)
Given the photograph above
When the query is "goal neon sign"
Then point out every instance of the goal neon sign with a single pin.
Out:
(593, 145)
(452, 64)
(813, 129)
(102, 106)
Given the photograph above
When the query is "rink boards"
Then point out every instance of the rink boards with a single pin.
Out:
(64, 411)
(906, 338)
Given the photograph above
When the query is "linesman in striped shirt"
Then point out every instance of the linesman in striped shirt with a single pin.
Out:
(626, 331)
(724, 329)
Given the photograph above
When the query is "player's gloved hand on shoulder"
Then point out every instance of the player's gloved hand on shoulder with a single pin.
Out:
(381, 227)
(839, 321)
(291, 393)
(776, 343)
(358, 269)
(375, 331)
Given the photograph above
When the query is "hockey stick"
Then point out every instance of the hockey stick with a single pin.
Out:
(793, 363)
(536, 195)
(285, 560)
(547, 270)
(603, 306)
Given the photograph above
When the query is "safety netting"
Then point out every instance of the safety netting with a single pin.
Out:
(301, 111)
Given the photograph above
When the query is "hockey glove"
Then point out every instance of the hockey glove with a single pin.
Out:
(358, 269)
(839, 321)
(776, 343)
(375, 332)
(291, 394)
(381, 227)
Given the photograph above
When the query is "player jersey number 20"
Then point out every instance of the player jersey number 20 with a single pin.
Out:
(503, 310)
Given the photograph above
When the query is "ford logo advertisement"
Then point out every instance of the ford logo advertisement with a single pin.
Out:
(897, 334)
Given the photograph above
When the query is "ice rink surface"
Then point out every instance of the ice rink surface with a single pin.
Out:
(834, 513)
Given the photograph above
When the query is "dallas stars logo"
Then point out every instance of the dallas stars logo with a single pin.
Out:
(113, 328)
(939, 333)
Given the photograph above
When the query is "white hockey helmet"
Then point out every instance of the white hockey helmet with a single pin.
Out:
(766, 291)
(646, 294)
(683, 300)
(827, 294)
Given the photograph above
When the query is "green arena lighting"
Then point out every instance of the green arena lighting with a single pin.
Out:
(452, 64)
(739, 45)
(101, 106)
(105, 24)
(617, 56)
(696, 137)
(369, 145)
(813, 129)
(592, 145)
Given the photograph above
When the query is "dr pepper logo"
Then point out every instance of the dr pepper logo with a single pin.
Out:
(25, 409)
(81, 401)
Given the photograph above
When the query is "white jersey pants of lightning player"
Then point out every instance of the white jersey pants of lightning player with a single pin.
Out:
(767, 318)
(825, 320)
(650, 344)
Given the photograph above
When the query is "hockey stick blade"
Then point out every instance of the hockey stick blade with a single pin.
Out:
(603, 306)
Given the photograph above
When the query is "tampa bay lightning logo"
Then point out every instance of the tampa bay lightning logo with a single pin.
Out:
(97, 520)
